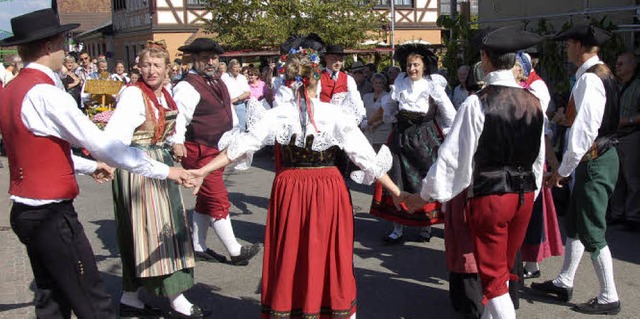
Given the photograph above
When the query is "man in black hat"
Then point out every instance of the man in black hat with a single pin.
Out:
(502, 178)
(333, 80)
(593, 113)
(206, 113)
(39, 121)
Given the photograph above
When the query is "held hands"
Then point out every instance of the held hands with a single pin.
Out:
(183, 177)
(198, 177)
(555, 180)
(414, 202)
(103, 173)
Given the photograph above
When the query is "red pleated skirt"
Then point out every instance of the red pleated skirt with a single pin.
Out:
(308, 260)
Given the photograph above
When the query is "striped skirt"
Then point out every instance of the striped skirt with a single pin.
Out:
(151, 213)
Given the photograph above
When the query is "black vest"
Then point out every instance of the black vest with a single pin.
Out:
(509, 143)
(611, 116)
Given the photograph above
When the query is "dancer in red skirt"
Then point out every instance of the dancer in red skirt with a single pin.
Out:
(308, 261)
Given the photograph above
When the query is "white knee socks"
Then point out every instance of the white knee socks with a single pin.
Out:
(603, 265)
(500, 307)
(223, 229)
(181, 304)
(572, 255)
(200, 228)
(398, 229)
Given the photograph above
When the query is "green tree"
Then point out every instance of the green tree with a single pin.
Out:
(265, 24)
(459, 51)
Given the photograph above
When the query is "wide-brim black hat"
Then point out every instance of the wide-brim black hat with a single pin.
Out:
(36, 25)
(424, 50)
(586, 34)
(334, 49)
(506, 39)
(202, 45)
(310, 41)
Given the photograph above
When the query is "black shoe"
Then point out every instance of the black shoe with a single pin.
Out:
(246, 253)
(614, 221)
(529, 275)
(196, 313)
(424, 237)
(547, 287)
(593, 307)
(210, 256)
(147, 311)
(388, 240)
(632, 226)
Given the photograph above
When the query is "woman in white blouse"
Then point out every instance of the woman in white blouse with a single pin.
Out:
(375, 129)
(422, 113)
(308, 262)
(153, 238)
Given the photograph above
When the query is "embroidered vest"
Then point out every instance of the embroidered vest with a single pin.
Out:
(212, 116)
(40, 167)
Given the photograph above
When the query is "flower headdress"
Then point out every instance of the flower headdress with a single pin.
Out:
(310, 47)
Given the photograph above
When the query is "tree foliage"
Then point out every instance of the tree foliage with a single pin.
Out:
(459, 51)
(265, 24)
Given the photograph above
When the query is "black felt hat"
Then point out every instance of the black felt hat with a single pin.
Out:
(335, 49)
(310, 41)
(424, 50)
(587, 34)
(202, 45)
(506, 39)
(36, 25)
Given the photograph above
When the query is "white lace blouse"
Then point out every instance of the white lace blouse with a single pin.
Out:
(414, 96)
(280, 124)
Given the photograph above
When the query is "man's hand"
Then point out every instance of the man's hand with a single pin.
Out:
(399, 199)
(414, 202)
(179, 175)
(197, 176)
(179, 152)
(555, 180)
(103, 173)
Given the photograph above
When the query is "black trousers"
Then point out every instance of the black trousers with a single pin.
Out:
(62, 261)
(465, 291)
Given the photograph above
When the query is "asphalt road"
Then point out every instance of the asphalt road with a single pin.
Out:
(406, 281)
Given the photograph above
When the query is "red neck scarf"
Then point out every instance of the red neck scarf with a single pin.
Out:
(153, 103)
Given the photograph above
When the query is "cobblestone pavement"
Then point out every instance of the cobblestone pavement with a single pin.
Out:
(394, 282)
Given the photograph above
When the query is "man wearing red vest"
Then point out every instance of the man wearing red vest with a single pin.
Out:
(333, 80)
(39, 120)
(205, 114)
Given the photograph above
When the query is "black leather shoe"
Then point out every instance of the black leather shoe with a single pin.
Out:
(529, 275)
(196, 313)
(246, 253)
(210, 256)
(593, 307)
(129, 311)
(547, 287)
(388, 240)
(424, 237)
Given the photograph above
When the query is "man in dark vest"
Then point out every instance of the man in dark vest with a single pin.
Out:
(502, 178)
(38, 121)
(593, 114)
(206, 113)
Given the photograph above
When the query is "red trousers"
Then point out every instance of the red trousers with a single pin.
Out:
(498, 224)
(213, 198)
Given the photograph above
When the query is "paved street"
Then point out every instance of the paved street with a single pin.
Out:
(408, 281)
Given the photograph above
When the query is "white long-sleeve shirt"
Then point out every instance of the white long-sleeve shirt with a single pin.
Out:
(48, 110)
(187, 98)
(453, 170)
(590, 98)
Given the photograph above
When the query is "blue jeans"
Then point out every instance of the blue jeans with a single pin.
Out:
(241, 112)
